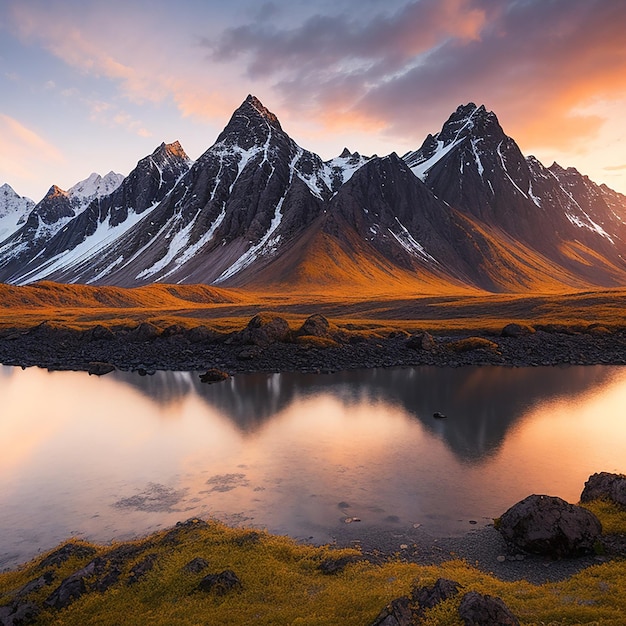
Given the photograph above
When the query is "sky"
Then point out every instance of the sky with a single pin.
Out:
(93, 86)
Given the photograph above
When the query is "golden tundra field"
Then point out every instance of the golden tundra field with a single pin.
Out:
(79, 306)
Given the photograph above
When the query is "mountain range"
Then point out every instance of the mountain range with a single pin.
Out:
(465, 211)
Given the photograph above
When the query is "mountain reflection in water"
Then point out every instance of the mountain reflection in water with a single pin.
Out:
(114, 457)
(481, 403)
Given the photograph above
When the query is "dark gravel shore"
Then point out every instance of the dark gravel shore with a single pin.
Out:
(483, 548)
(147, 349)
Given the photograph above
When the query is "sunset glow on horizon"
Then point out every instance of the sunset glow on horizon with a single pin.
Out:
(89, 86)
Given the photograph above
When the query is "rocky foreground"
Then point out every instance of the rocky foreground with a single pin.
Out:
(268, 344)
(204, 572)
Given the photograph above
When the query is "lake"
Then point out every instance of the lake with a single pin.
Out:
(123, 455)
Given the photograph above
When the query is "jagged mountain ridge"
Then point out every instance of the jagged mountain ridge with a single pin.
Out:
(83, 235)
(466, 209)
(13, 210)
(472, 164)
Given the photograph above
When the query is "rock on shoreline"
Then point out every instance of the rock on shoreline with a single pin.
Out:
(267, 345)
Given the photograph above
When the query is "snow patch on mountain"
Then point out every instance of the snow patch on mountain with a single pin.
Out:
(95, 186)
(410, 244)
(89, 248)
(266, 245)
(340, 170)
(13, 210)
(420, 168)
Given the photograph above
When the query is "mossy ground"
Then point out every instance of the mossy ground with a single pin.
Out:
(283, 584)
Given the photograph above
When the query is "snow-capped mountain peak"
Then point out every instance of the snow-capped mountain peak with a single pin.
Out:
(95, 186)
(14, 210)
(340, 169)
(468, 123)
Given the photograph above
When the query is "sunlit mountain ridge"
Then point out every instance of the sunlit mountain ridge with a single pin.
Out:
(465, 212)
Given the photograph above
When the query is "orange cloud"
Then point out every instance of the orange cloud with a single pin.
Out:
(21, 148)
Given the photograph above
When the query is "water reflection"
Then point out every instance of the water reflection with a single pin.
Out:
(123, 455)
(482, 403)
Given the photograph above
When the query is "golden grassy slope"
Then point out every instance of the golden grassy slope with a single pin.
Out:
(79, 306)
(283, 585)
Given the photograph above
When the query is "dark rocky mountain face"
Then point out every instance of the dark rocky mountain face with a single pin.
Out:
(474, 166)
(46, 218)
(72, 239)
(466, 209)
(227, 212)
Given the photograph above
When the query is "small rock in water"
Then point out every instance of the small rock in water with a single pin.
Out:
(501, 558)
(438, 415)
(214, 376)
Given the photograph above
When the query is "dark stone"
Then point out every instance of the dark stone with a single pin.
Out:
(420, 341)
(35, 585)
(516, 330)
(98, 368)
(72, 588)
(195, 566)
(336, 566)
(109, 578)
(143, 333)
(139, 570)
(439, 416)
(428, 597)
(99, 333)
(247, 539)
(199, 334)
(397, 613)
(315, 325)
(214, 376)
(264, 329)
(62, 554)
(248, 354)
(477, 609)
(18, 614)
(173, 536)
(221, 583)
(173, 331)
(605, 486)
(550, 526)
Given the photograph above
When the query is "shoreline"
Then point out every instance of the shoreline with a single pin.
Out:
(145, 349)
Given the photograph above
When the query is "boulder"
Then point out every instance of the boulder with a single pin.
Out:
(99, 368)
(221, 583)
(99, 333)
(516, 330)
(428, 597)
(250, 353)
(477, 609)
(140, 569)
(200, 334)
(214, 376)
(264, 329)
(315, 325)
(420, 341)
(397, 613)
(70, 550)
(143, 333)
(18, 614)
(72, 588)
(332, 566)
(196, 565)
(550, 526)
(605, 486)
(174, 330)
